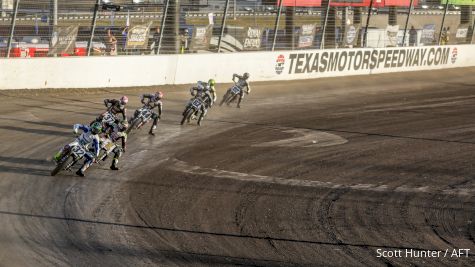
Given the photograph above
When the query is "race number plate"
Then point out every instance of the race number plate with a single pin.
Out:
(144, 113)
(196, 103)
(109, 146)
(108, 117)
(78, 151)
(235, 90)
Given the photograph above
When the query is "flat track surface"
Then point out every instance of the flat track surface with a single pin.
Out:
(320, 172)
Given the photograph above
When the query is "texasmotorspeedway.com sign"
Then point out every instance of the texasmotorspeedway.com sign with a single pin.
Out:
(340, 61)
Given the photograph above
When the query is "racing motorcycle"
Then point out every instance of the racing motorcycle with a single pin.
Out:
(231, 95)
(107, 146)
(193, 108)
(106, 118)
(141, 117)
(72, 154)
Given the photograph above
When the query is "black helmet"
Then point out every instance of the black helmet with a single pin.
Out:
(245, 75)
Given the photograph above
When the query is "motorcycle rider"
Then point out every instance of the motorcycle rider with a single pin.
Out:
(241, 83)
(117, 106)
(207, 92)
(88, 137)
(153, 100)
(211, 88)
(116, 132)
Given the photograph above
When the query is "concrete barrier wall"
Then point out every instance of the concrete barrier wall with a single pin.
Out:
(125, 71)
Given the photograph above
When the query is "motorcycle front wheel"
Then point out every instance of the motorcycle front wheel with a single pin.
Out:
(65, 162)
(187, 115)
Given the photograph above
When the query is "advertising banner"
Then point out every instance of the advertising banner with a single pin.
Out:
(307, 3)
(306, 35)
(201, 37)
(461, 33)
(391, 35)
(252, 39)
(137, 37)
(360, 60)
(63, 40)
(402, 3)
(351, 35)
(428, 34)
(6, 5)
(357, 3)
(460, 2)
(376, 3)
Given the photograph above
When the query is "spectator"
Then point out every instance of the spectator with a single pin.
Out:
(111, 43)
(412, 36)
(156, 41)
(125, 33)
(447, 35)
(444, 36)
(184, 39)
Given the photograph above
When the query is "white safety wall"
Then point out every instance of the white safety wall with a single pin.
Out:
(126, 71)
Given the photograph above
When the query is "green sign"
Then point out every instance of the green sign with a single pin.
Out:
(459, 2)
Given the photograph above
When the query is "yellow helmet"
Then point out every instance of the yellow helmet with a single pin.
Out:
(212, 82)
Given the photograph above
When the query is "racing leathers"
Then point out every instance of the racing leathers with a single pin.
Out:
(116, 106)
(206, 93)
(241, 83)
(89, 141)
(152, 102)
(116, 132)
(92, 145)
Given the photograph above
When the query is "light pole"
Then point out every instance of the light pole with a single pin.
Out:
(277, 22)
(322, 42)
(443, 21)
(93, 27)
(12, 29)
(223, 24)
(407, 22)
(367, 23)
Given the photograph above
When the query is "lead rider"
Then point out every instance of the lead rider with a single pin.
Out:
(241, 83)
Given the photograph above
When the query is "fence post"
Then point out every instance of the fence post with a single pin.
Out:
(12, 28)
(367, 23)
(325, 21)
(473, 32)
(443, 21)
(407, 22)
(162, 26)
(223, 25)
(93, 27)
(277, 22)
(54, 10)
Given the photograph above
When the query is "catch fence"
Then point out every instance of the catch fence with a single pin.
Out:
(59, 28)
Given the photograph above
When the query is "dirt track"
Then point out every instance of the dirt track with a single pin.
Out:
(322, 172)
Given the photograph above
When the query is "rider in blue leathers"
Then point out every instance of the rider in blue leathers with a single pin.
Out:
(89, 139)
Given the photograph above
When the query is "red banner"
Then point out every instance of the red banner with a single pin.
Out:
(404, 3)
(307, 3)
(354, 3)
(376, 3)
